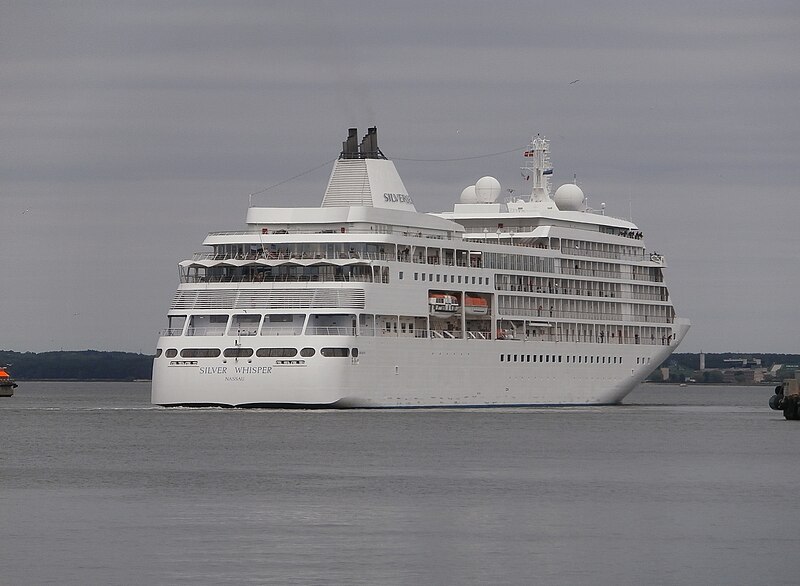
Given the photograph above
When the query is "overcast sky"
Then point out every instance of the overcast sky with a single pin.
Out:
(131, 129)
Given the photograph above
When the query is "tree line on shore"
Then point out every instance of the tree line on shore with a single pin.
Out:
(77, 365)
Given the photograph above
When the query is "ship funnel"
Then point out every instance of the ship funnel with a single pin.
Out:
(367, 149)
(363, 176)
(350, 146)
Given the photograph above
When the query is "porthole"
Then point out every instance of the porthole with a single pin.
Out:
(238, 352)
(276, 352)
(335, 352)
(306, 352)
(171, 353)
(200, 352)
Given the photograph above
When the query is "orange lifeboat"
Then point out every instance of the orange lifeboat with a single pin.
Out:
(475, 306)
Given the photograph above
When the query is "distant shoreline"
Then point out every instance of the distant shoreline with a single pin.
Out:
(762, 369)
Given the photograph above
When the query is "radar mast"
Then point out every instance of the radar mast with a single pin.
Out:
(538, 168)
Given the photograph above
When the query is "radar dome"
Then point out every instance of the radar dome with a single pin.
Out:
(487, 189)
(469, 195)
(568, 197)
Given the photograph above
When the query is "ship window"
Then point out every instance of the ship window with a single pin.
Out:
(176, 323)
(416, 276)
(559, 357)
(438, 278)
(637, 360)
(207, 325)
(335, 352)
(423, 276)
(547, 358)
(452, 278)
(534, 357)
(171, 353)
(354, 353)
(400, 275)
(237, 352)
(459, 279)
(473, 280)
(306, 352)
(280, 317)
(158, 352)
(276, 352)
(244, 325)
(430, 276)
(200, 352)
(501, 358)
(515, 357)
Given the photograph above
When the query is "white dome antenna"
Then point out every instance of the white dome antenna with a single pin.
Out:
(468, 195)
(569, 197)
(487, 189)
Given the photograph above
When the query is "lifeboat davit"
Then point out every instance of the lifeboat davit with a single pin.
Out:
(443, 304)
(475, 306)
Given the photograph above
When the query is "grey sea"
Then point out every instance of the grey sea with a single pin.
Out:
(680, 485)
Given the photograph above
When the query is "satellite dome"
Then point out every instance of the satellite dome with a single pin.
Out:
(487, 189)
(568, 197)
(469, 195)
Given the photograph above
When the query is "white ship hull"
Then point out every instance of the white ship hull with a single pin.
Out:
(365, 302)
(397, 372)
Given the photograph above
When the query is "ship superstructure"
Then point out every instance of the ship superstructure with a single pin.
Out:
(366, 302)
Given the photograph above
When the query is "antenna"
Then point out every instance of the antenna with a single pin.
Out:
(537, 167)
(630, 205)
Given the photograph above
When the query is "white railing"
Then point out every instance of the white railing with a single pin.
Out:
(330, 331)
(206, 331)
(280, 279)
(602, 254)
(268, 255)
(281, 331)
(329, 233)
(243, 332)
(171, 332)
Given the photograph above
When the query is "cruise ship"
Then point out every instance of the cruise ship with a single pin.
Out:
(365, 302)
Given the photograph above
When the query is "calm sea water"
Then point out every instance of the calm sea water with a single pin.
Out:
(681, 485)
